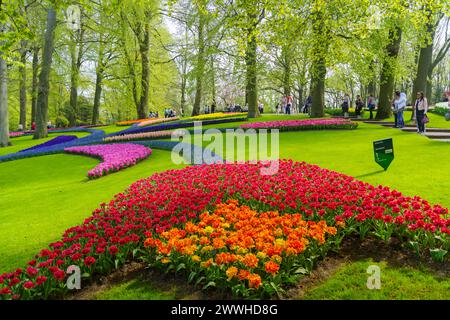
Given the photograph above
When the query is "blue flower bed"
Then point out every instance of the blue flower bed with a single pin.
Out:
(198, 156)
(55, 141)
(95, 137)
(171, 125)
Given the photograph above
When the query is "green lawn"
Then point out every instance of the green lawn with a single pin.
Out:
(25, 142)
(41, 197)
(396, 283)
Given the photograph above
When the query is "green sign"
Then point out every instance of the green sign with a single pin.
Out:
(384, 152)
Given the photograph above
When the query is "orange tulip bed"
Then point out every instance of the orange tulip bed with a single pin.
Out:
(251, 253)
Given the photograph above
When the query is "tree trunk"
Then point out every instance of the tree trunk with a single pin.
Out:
(388, 74)
(23, 87)
(4, 117)
(286, 72)
(98, 85)
(144, 48)
(429, 86)
(44, 85)
(319, 64)
(213, 82)
(73, 88)
(34, 83)
(423, 66)
(76, 59)
(251, 76)
(200, 66)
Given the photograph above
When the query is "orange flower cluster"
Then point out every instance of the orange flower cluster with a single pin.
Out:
(130, 122)
(247, 245)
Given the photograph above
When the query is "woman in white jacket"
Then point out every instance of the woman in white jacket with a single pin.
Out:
(399, 108)
(421, 107)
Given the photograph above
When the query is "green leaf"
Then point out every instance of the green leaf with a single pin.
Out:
(181, 266)
(209, 284)
(438, 254)
(191, 276)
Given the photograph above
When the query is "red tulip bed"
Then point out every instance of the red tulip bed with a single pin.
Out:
(316, 206)
(115, 157)
(306, 124)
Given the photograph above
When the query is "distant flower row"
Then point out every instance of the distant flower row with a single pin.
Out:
(307, 124)
(114, 157)
(130, 122)
(143, 136)
(217, 115)
(156, 121)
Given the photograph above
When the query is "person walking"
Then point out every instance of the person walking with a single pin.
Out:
(399, 105)
(345, 106)
(371, 106)
(288, 104)
(359, 106)
(421, 108)
(308, 105)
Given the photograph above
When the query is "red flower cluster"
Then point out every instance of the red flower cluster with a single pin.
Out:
(117, 229)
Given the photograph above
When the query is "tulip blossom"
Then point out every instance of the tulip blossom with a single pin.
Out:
(114, 157)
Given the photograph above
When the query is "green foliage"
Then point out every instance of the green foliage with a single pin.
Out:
(61, 122)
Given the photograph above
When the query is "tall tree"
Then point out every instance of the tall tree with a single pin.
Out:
(44, 84)
(4, 117)
(23, 84)
(34, 82)
(321, 36)
(388, 73)
(200, 68)
(76, 59)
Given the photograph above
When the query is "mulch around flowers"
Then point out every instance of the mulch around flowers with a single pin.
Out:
(352, 249)
(158, 280)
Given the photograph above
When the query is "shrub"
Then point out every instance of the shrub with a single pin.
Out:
(61, 122)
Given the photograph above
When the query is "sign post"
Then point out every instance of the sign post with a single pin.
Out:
(384, 152)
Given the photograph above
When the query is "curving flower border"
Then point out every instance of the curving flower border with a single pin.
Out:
(115, 157)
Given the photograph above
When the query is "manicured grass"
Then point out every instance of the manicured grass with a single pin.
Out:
(397, 283)
(43, 196)
(25, 142)
(137, 289)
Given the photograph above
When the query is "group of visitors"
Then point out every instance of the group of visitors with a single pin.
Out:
(153, 114)
(169, 113)
(212, 109)
(20, 127)
(420, 109)
(286, 106)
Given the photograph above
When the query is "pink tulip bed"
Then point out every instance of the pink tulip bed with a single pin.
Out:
(142, 136)
(307, 124)
(115, 157)
(16, 134)
(168, 217)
